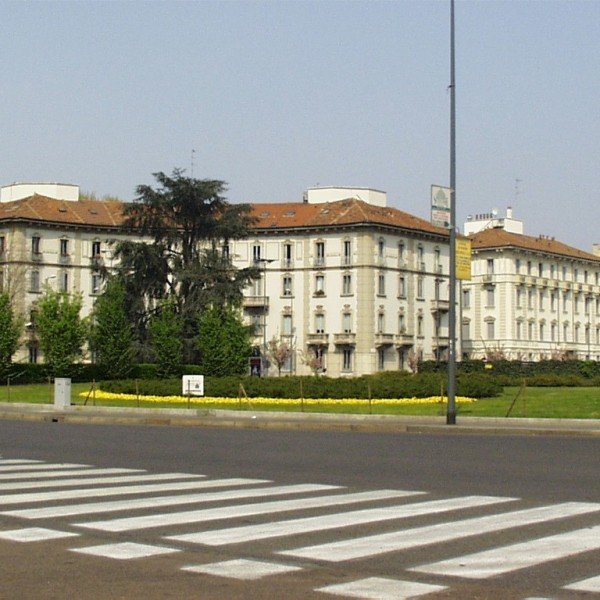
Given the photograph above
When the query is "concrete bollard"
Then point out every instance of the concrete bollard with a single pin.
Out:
(62, 392)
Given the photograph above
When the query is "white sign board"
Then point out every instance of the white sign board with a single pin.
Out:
(440, 206)
(193, 385)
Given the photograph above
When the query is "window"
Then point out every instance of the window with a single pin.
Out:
(64, 247)
(519, 330)
(346, 284)
(96, 249)
(520, 297)
(528, 267)
(540, 269)
(466, 329)
(63, 282)
(381, 359)
(320, 285)
(381, 284)
(401, 286)
(287, 285)
(542, 331)
(530, 301)
(347, 322)
(319, 254)
(490, 297)
(381, 249)
(35, 244)
(319, 323)
(490, 327)
(564, 273)
(96, 282)
(420, 325)
(553, 301)
(401, 323)
(401, 254)
(256, 253)
(466, 295)
(542, 299)
(436, 261)
(347, 359)
(565, 332)
(2, 244)
(420, 287)
(287, 255)
(33, 352)
(575, 274)
(420, 258)
(347, 253)
(553, 332)
(381, 323)
(552, 271)
(225, 250)
(34, 281)
(530, 330)
(490, 266)
(287, 325)
(517, 265)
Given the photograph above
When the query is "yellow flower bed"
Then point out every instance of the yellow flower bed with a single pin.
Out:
(100, 395)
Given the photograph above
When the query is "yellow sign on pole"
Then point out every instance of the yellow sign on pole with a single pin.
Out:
(463, 259)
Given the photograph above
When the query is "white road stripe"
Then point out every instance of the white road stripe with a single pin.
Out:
(585, 585)
(18, 461)
(378, 588)
(42, 467)
(241, 569)
(84, 481)
(65, 473)
(421, 536)
(243, 510)
(125, 550)
(236, 535)
(99, 492)
(489, 563)
(101, 507)
(34, 534)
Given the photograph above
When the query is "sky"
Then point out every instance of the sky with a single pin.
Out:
(275, 97)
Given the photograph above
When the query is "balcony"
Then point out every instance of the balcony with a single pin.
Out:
(256, 302)
(317, 339)
(403, 339)
(287, 263)
(318, 262)
(97, 261)
(442, 306)
(37, 257)
(344, 339)
(64, 259)
(384, 339)
(488, 278)
(441, 341)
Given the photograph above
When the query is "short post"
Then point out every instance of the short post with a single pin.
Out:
(62, 392)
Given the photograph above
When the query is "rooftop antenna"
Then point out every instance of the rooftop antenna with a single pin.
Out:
(192, 164)
(517, 190)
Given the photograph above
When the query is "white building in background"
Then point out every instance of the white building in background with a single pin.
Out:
(361, 285)
(530, 298)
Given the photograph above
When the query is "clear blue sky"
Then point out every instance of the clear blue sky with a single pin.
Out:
(276, 97)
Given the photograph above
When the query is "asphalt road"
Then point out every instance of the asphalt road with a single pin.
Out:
(412, 515)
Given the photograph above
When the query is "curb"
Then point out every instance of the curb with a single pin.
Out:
(296, 421)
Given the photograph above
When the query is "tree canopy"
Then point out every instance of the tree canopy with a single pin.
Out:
(190, 225)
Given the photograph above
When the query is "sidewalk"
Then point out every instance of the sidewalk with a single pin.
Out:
(283, 420)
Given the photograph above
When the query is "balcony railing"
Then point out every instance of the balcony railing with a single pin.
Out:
(404, 339)
(317, 339)
(440, 305)
(384, 339)
(344, 339)
(256, 302)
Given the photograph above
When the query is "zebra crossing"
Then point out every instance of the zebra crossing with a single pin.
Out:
(183, 512)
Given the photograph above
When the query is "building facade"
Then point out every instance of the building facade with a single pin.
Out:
(347, 280)
(530, 298)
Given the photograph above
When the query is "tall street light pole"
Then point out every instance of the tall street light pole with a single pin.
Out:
(451, 411)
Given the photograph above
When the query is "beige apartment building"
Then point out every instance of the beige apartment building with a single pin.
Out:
(346, 278)
(530, 298)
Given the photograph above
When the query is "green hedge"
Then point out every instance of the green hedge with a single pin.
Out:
(384, 385)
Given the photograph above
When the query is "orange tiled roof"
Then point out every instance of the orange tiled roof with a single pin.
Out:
(342, 212)
(95, 213)
(105, 213)
(499, 238)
